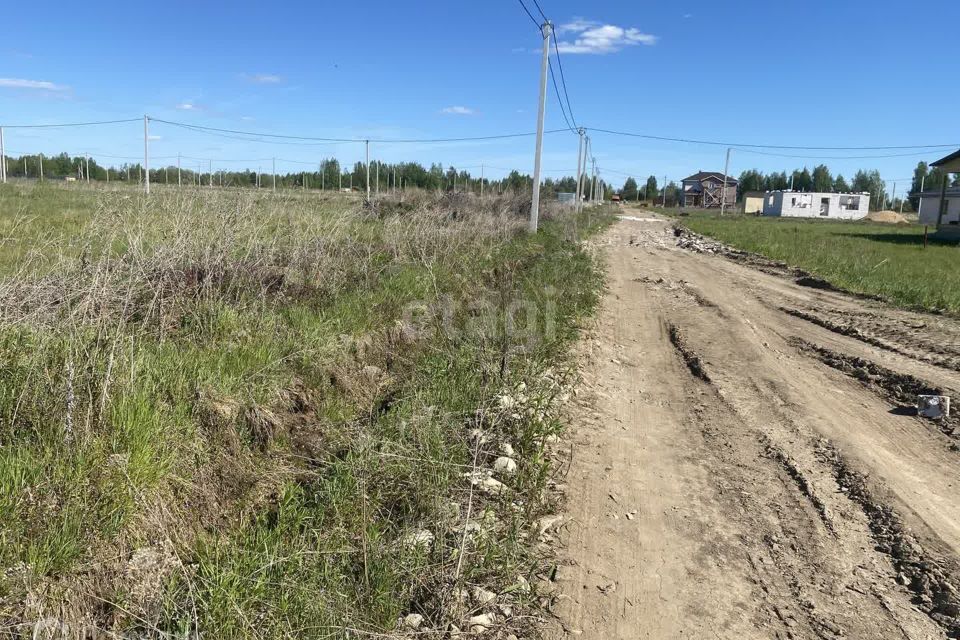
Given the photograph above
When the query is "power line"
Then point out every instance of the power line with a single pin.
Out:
(553, 81)
(347, 140)
(871, 157)
(542, 14)
(532, 19)
(769, 146)
(69, 124)
(563, 80)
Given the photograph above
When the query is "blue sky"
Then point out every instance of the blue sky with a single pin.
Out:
(851, 73)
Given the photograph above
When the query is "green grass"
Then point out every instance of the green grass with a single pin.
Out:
(229, 422)
(869, 258)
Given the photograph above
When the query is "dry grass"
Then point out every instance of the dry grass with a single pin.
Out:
(238, 414)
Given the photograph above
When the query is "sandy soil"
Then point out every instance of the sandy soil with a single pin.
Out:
(741, 466)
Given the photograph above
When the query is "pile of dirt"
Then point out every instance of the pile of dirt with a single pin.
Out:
(888, 216)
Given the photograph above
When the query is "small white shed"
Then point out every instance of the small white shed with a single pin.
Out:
(796, 204)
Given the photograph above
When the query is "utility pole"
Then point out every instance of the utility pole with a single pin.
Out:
(210, 171)
(166, 176)
(579, 169)
(340, 181)
(664, 192)
(481, 180)
(593, 189)
(146, 152)
(547, 30)
(274, 174)
(368, 170)
(723, 194)
(179, 177)
(893, 200)
(3, 159)
(87, 159)
(41, 167)
(923, 181)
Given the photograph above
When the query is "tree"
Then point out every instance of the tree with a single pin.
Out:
(777, 181)
(751, 180)
(629, 190)
(650, 190)
(840, 185)
(822, 180)
(802, 180)
(870, 182)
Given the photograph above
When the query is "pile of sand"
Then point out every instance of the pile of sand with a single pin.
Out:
(886, 216)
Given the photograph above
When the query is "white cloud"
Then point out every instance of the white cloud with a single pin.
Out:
(263, 78)
(247, 118)
(458, 111)
(188, 106)
(153, 137)
(19, 83)
(596, 38)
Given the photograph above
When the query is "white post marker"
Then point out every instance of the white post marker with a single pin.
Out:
(368, 170)
(547, 30)
(41, 167)
(179, 180)
(146, 152)
(210, 171)
(723, 194)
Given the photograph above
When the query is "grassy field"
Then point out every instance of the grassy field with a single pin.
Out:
(870, 258)
(244, 415)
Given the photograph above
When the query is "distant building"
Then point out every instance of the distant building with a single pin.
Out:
(930, 207)
(795, 204)
(753, 202)
(942, 207)
(705, 189)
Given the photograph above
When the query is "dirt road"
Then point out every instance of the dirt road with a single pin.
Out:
(746, 465)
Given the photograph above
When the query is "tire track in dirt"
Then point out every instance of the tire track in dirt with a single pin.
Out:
(709, 411)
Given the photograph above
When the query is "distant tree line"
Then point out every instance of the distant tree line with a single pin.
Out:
(328, 174)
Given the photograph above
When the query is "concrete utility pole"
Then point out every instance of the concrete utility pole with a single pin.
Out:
(210, 171)
(87, 159)
(3, 159)
(579, 169)
(179, 177)
(340, 182)
(368, 170)
(146, 153)
(547, 30)
(41, 167)
(923, 181)
(664, 191)
(723, 194)
(274, 174)
(893, 199)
